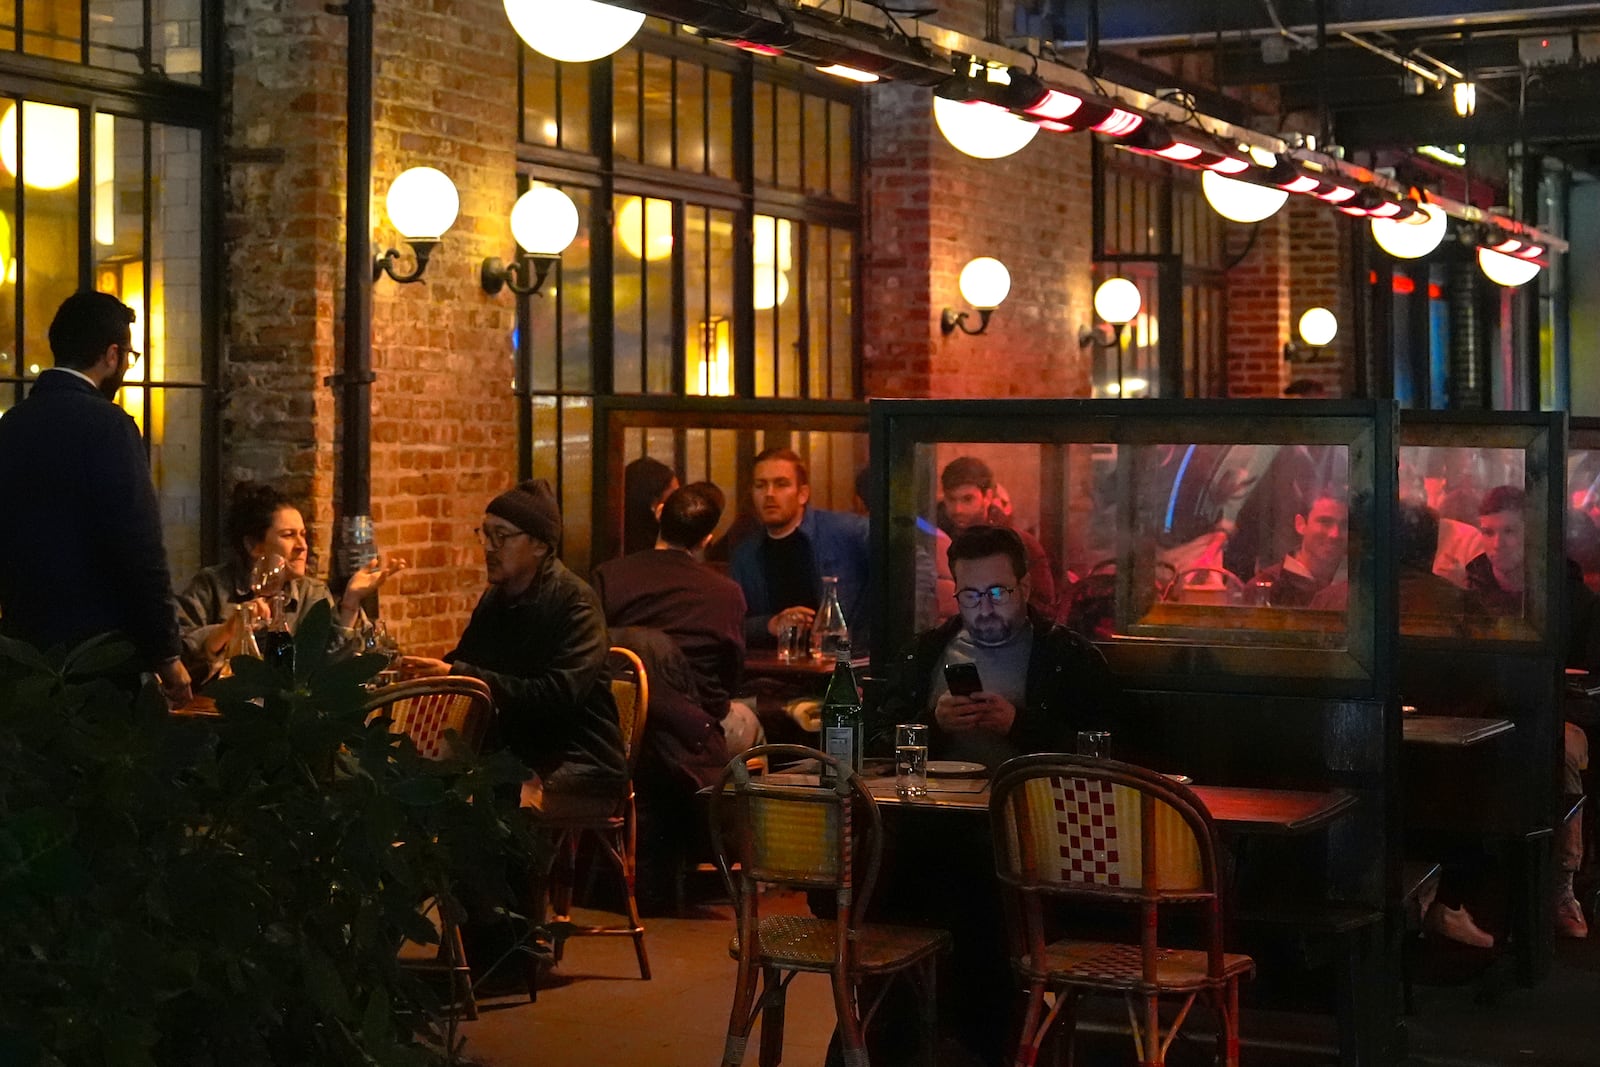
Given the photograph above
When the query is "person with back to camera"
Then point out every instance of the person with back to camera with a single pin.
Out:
(263, 522)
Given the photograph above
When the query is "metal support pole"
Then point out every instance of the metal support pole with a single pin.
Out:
(355, 379)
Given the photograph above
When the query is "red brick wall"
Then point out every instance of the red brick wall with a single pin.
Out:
(1258, 308)
(1317, 270)
(443, 429)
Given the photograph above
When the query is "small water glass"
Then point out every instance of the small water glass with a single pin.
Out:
(1094, 743)
(794, 643)
(911, 759)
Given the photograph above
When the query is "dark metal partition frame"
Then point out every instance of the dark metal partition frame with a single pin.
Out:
(1519, 674)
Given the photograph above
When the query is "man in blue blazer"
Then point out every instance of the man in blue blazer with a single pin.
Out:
(781, 569)
(80, 548)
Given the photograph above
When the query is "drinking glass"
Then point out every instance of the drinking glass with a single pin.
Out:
(268, 574)
(1094, 743)
(911, 759)
(794, 643)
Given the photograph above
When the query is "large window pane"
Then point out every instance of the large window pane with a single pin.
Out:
(48, 164)
(691, 115)
(53, 28)
(658, 116)
(175, 465)
(625, 104)
(541, 116)
(719, 124)
(708, 302)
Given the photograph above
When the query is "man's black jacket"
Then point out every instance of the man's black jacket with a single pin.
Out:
(80, 543)
(1069, 689)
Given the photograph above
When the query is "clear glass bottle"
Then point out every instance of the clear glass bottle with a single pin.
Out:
(828, 630)
(243, 640)
(843, 719)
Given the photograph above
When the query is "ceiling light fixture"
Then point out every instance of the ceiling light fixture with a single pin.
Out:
(1506, 270)
(573, 31)
(1241, 201)
(1412, 237)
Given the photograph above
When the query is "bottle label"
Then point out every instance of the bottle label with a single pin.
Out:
(840, 743)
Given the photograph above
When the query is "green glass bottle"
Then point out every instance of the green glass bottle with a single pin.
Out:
(843, 721)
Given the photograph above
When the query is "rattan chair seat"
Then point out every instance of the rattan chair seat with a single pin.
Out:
(1109, 964)
(801, 943)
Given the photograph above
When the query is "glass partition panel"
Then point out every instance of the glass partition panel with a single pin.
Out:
(1582, 520)
(1473, 527)
(1228, 540)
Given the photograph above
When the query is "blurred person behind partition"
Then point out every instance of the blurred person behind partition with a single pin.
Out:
(81, 550)
(1497, 576)
(646, 484)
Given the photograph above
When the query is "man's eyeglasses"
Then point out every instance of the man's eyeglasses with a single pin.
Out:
(998, 595)
(493, 538)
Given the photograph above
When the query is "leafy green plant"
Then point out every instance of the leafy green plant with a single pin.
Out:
(232, 890)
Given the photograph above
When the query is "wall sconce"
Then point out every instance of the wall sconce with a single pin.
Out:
(715, 373)
(422, 204)
(1318, 327)
(1117, 302)
(544, 221)
(1464, 95)
(984, 284)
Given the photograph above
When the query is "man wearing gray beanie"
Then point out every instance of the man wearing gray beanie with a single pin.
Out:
(538, 637)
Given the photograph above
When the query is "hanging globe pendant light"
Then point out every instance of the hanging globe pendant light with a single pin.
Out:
(572, 31)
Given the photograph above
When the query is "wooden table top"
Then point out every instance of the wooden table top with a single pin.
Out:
(1236, 808)
(200, 707)
(764, 663)
(1450, 730)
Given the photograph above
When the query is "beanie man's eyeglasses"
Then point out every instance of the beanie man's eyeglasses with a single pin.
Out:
(493, 538)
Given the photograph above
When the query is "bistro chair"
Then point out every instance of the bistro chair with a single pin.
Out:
(616, 833)
(426, 710)
(1205, 585)
(1099, 831)
(824, 837)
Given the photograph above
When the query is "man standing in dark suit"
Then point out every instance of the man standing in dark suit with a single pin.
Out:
(80, 549)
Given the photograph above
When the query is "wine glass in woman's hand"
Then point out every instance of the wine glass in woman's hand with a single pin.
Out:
(268, 574)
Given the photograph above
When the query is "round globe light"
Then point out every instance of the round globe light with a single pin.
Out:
(982, 130)
(1506, 270)
(544, 220)
(422, 203)
(1414, 237)
(984, 283)
(49, 144)
(645, 229)
(572, 31)
(1318, 326)
(1240, 201)
(1117, 301)
(771, 288)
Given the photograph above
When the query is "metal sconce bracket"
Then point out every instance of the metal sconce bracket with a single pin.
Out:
(951, 320)
(525, 276)
(1093, 336)
(1303, 353)
(384, 264)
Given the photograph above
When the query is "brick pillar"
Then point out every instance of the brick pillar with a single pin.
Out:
(931, 209)
(443, 428)
(1317, 271)
(1258, 309)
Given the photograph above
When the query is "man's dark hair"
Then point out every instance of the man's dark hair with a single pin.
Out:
(250, 512)
(86, 324)
(801, 475)
(1306, 387)
(966, 470)
(1339, 494)
(1502, 498)
(691, 513)
(981, 542)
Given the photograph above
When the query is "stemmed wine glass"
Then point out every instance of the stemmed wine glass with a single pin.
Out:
(268, 574)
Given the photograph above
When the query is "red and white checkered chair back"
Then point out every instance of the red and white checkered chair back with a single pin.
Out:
(427, 708)
(1099, 825)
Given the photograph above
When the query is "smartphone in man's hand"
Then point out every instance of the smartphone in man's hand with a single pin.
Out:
(962, 678)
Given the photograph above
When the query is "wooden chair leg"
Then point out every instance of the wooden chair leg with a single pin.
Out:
(1231, 1025)
(772, 995)
(1032, 1034)
(628, 858)
(1067, 1028)
(739, 1017)
(1154, 1054)
(455, 953)
(850, 1032)
(562, 874)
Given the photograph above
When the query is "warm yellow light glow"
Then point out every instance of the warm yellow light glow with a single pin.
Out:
(1413, 237)
(1506, 270)
(770, 243)
(645, 228)
(49, 144)
(985, 282)
(105, 176)
(714, 370)
(839, 70)
(982, 130)
(1318, 326)
(771, 288)
(544, 220)
(129, 288)
(1240, 201)
(1465, 97)
(422, 204)
(573, 31)
(1117, 301)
